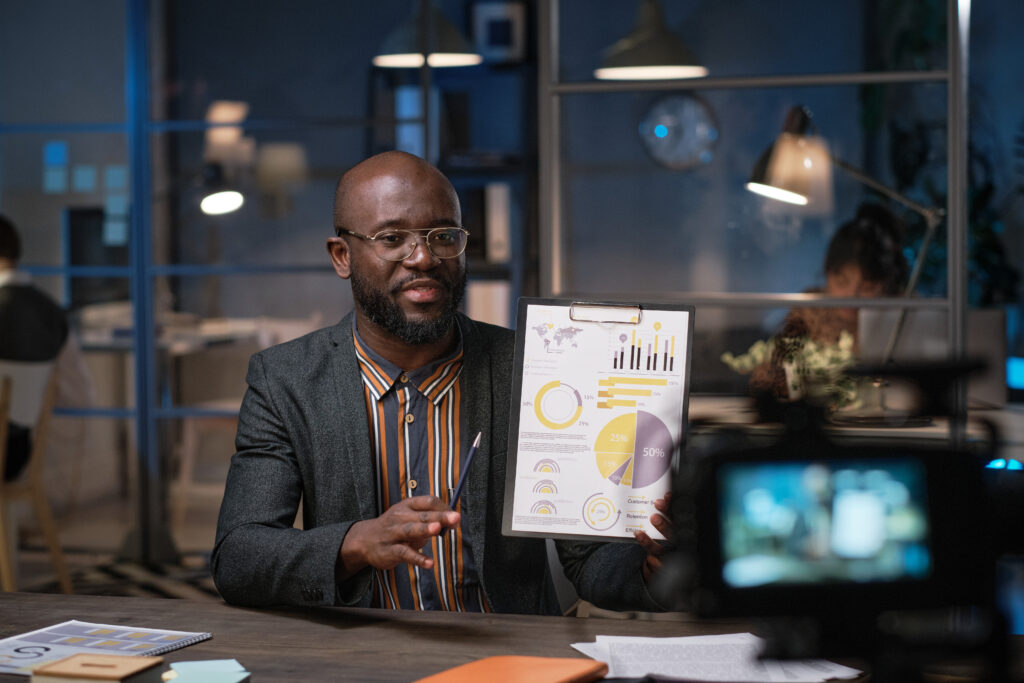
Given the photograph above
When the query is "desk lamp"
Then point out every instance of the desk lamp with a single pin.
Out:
(650, 52)
(425, 32)
(796, 168)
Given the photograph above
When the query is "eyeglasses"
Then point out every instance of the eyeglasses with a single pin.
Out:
(398, 245)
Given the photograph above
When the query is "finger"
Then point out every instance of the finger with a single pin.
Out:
(408, 555)
(646, 542)
(418, 533)
(661, 504)
(425, 503)
(444, 520)
(663, 526)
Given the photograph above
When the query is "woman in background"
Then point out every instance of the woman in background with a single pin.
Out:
(864, 259)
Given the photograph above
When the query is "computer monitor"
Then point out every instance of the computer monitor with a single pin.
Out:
(925, 336)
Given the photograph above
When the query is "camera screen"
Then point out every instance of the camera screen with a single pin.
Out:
(823, 522)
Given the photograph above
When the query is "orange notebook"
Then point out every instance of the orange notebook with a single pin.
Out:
(522, 669)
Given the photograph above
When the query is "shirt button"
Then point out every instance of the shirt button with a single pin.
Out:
(403, 377)
(410, 417)
(412, 484)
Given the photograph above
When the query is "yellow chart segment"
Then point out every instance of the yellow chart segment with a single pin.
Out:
(652, 381)
(615, 445)
(608, 391)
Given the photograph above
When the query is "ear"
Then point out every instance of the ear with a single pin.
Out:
(341, 256)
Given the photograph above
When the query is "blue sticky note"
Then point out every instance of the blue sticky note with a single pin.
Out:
(208, 665)
(83, 178)
(116, 205)
(115, 177)
(55, 179)
(115, 232)
(55, 153)
(190, 676)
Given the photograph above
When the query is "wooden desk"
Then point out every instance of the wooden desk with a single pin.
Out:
(335, 644)
(350, 644)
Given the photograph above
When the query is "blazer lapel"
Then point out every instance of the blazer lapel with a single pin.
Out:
(476, 389)
(357, 467)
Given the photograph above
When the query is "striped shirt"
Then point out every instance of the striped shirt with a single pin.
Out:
(415, 422)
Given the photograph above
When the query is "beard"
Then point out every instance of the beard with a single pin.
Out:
(382, 309)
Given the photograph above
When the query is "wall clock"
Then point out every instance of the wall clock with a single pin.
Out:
(679, 131)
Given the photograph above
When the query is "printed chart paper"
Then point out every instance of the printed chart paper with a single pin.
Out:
(20, 654)
(596, 417)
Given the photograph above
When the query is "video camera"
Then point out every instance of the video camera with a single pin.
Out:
(884, 550)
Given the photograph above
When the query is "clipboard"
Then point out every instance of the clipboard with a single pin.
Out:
(597, 417)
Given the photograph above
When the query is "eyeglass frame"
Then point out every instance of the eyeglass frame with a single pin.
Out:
(429, 231)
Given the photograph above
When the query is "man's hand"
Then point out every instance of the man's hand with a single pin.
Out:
(395, 537)
(654, 548)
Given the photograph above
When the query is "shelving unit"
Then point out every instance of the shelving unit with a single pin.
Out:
(482, 120)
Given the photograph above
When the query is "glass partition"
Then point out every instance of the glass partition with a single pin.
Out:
(275, 59)
(63, 61)
(756, 39)
(654, 185)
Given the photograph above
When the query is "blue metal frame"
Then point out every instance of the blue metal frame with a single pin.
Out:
(150, 500)
(6, 129)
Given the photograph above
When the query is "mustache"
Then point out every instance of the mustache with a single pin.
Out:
(439, 279)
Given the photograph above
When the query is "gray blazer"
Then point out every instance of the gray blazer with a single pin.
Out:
(302, 432)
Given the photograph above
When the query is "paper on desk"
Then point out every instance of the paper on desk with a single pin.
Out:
(730, 658)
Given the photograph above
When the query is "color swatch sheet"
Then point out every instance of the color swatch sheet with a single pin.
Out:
(600, 415)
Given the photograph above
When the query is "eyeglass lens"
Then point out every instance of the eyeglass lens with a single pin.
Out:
(398, 245)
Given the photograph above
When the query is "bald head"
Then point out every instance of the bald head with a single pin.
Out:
(369, 180)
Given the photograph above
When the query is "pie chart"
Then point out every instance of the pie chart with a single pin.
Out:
(634, 450)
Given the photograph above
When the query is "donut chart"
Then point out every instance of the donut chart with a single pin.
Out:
(634, 450)
(600, 513)
(557, 405)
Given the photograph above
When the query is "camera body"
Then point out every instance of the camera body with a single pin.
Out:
(842, 547)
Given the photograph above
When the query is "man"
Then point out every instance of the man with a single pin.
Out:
(367, 421)
(33, 328)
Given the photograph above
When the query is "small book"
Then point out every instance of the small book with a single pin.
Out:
(99, 668)
(82, 637)
(522, 669)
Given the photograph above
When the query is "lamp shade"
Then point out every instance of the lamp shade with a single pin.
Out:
(797, 167)
(443, 44)
(650, 52)
(218, 197)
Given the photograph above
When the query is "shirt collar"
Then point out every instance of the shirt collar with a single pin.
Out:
(433, 380)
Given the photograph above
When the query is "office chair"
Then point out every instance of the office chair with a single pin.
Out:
(27, 395)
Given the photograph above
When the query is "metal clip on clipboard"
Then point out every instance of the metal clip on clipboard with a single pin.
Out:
(629, 314)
